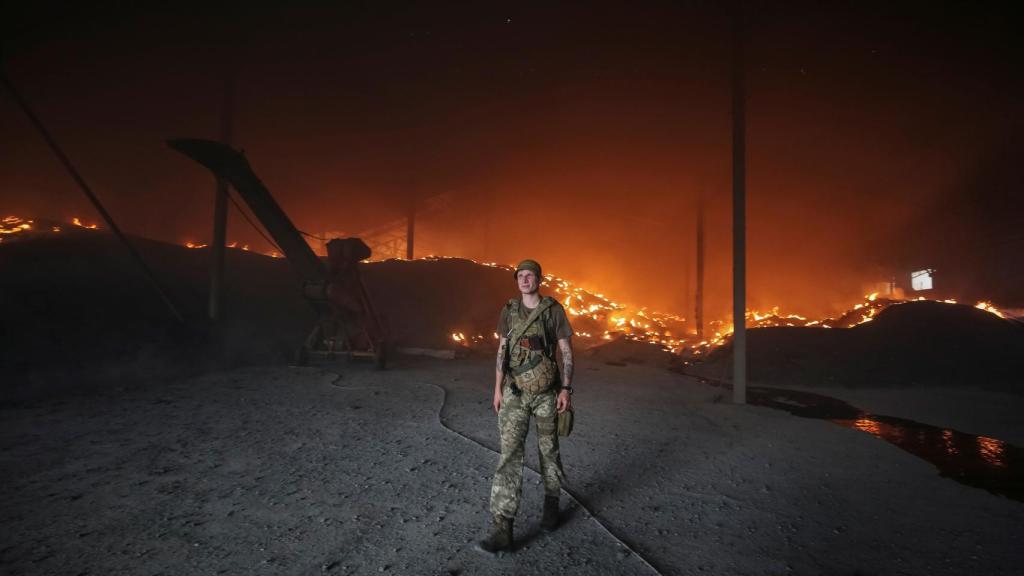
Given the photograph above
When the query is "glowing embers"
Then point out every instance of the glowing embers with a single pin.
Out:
(596, 318)
(14, 225)
(243, 247)
(988, 307)
(464, 340)
(78, 222)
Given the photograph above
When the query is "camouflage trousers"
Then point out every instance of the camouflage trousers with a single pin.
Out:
(513, 425)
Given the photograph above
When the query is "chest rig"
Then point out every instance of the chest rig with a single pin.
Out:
(531, 350)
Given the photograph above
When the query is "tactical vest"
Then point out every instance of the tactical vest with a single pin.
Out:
(531, 359)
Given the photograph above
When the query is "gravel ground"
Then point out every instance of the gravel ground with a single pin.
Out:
(301, 471)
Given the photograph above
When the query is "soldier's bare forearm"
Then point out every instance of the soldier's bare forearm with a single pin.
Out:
(500, 365)
(568, 366)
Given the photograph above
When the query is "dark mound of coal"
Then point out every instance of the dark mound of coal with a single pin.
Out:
(424, 301)
(623, 352)
(912, 344)
(77, 309)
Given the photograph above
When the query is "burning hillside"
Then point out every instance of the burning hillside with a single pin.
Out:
(916, 343)
(596, 318)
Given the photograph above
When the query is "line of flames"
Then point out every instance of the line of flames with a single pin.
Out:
(243, 247)
(14, 225)
(603, 318)
(643, 325)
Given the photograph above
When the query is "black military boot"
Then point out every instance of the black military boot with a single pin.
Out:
(500, 537)
(549, 521)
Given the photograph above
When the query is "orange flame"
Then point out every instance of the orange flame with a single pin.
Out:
(988, 307)
(77, 222)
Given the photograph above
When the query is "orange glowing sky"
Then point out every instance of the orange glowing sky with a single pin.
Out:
(579, 135)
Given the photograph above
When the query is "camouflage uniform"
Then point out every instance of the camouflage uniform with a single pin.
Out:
(513, 425)
(516, 410)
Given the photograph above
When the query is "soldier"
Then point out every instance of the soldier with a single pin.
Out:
(528, 383)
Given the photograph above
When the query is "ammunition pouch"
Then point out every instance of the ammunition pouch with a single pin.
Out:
(534, 371)
(536, 375)
(532, 343)
(565, 421)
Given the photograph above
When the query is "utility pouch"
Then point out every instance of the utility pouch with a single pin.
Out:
(536, 375)
(565, 421)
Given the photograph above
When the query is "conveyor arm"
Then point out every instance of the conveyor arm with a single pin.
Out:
(232, 166)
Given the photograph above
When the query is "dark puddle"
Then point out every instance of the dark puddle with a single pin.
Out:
(977, 461)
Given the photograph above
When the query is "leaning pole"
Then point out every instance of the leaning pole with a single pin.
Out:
(739, 217)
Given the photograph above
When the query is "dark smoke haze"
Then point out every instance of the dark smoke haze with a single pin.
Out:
(577, 135)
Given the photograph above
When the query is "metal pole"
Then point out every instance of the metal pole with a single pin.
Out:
(686, 281)
(699, 303)
(739, 217)
(23, 104)
(220, 211)
(411, 228)
(485, 254)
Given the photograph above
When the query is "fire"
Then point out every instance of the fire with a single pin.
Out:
(988, 307)
(244, 247)
(78, 222)
(597, 318)
(14, 225)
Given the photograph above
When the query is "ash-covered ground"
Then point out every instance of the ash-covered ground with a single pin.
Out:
(348, 470)
(129, 447)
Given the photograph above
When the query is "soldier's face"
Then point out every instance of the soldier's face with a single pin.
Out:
(528, 281)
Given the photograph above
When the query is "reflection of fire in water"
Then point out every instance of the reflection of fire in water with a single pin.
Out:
(947, 439)
(867, 425)
(992, 450)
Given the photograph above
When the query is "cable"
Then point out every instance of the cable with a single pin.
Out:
(574, 497)
(313, 236)
(59, 153)
(253, 224)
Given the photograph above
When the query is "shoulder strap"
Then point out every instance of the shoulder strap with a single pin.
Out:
(544, 305)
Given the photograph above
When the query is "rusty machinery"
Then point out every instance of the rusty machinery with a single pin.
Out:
(347, 325)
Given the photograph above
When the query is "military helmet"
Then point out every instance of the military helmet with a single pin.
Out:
(531, 265)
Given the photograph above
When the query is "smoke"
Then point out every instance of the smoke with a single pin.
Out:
(581, 138)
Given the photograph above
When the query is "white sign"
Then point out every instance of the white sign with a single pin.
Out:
(921, 280)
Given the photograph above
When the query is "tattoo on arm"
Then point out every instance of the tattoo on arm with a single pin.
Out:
(565, 346)
(501, 355)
